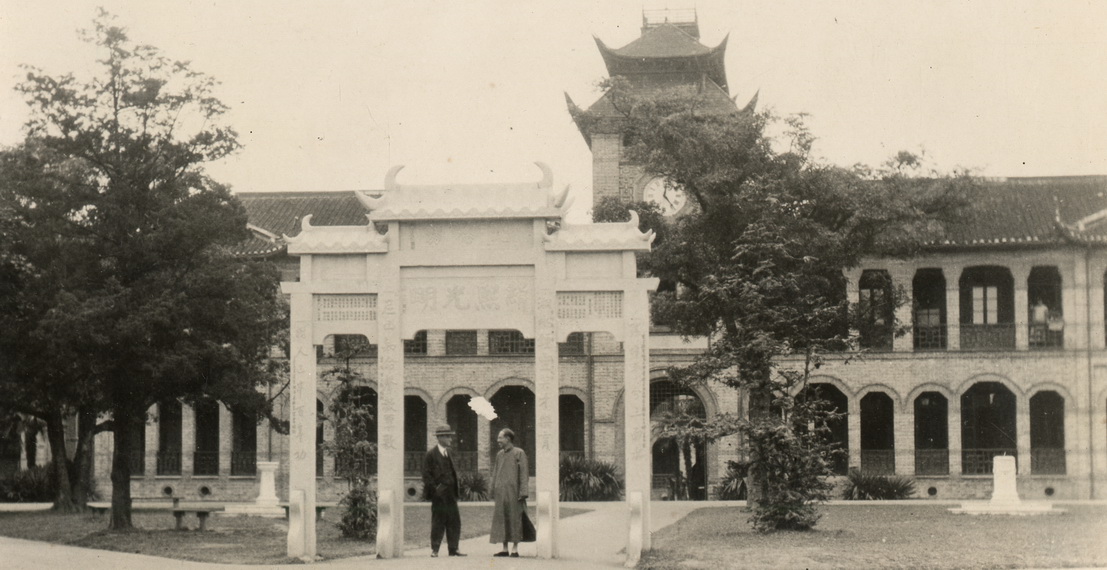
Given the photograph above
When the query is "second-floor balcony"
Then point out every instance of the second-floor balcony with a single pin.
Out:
(988, 337)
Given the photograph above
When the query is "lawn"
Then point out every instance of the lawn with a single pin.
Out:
(228, 539)
(886, 536)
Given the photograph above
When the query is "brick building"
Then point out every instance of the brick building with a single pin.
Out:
(1006, 349)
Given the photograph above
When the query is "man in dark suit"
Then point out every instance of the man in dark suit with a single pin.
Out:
(440, 486)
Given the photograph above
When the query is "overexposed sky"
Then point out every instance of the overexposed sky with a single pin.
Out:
(327, 94)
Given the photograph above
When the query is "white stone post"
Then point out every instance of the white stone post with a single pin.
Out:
(390, 427)
(953, 426)
(188, 440)
(301, 438)
(903, 425)
(853, 428)
(546, 444)
(1022, 433)
(267, 485)
(150, 459)
(636, 396)
(226, 440)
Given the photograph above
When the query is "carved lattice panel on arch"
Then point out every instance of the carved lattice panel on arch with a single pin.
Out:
(590, 305)
(345, 308)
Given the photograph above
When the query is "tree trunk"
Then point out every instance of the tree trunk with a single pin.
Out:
(82, 458)
(759, 411)
(121, 470)
(55, 434)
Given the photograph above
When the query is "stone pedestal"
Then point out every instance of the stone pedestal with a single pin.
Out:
(1005, 495)
(267, 504)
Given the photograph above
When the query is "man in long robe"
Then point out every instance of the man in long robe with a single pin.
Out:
(510, 481)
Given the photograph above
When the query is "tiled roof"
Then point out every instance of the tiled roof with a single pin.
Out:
(280, 212)
(257, 246)
(665, 40)
(614, 236)
(1033, 211)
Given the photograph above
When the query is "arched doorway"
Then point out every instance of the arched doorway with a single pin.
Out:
(679, 467)
(878, 455)
(838, 427)
(514, 407)
(931, 434)
(1047, 433)
(415, 434)
(464, 422)
(987, 426)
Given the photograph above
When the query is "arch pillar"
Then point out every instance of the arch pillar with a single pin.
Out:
(301, 436)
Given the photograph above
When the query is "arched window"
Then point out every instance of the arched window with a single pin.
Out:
(415, 434)
(244, 445)
(679, 467)
(205, 459)
(987, 426)
(931, 434)
(838, 427)
(1047, 433)
(571, 425)
(929, 290)
(987, 308)
(464, 422)
(515, 408)
(876, 309)
(878, 456)
(169, 438)
(1045, 317)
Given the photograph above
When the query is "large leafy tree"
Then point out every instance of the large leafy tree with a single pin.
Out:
(759, 266)
(146, 300)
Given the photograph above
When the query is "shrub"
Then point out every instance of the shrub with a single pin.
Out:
(472, 486)
(34, 485)
(360, 517)
(863, 487)
(793, 466)
(733, 485)
(589, 480)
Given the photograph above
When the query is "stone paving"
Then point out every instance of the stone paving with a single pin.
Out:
(590, 540)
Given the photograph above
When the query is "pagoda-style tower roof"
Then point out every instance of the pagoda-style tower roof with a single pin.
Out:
(666, 50)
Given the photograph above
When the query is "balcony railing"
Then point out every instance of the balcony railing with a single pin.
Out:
(930, 337)
(979, 461)
(931, 462)
(987, 337)
(1047, 461)
(244, 462)
(1045, 335)
(205, 463)
(878, 461)
(169, 463)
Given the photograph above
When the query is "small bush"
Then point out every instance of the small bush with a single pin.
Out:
(733, 485)
(34, 485)
(473, 486)
(863, 487)
(589, 480)
(359, 520)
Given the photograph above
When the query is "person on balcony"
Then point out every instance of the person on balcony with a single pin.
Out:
(441, 488)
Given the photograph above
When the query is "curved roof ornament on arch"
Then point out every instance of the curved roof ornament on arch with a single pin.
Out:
(990, 377)
(407, 202)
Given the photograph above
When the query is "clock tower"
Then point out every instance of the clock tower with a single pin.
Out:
(668, 55)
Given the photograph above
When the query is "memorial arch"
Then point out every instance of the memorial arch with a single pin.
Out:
(486, 256)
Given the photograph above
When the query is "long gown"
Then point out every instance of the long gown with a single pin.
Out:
(510, 480)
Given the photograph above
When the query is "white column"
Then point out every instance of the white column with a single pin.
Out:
(1022, 431)
(1022, 311)
(188, 440)
(953, 418)
(151, 454)
(390, 427)
(301, 437)
(952, 275)
(1075, 304)
(853, 426)
(904, 429)
(546, 445)
(636, 421)
(226, 440)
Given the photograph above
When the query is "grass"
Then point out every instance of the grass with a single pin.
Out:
(884, 536)
(228, 539)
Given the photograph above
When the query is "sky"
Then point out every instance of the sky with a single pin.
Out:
(327, 94)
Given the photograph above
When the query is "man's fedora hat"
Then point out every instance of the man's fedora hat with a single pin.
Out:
(444, 430)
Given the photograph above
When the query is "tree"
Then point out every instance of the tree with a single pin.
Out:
(759, 267)
(149, 303)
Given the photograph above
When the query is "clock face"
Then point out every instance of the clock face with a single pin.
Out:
(668, 196)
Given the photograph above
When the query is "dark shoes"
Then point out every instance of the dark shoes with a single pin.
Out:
(434, 554)
(457, 554)
(514, 554)
(504, 553)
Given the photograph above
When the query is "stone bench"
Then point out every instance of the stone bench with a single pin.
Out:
(202, 514)
(320, 508)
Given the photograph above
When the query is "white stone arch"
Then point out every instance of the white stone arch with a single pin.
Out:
(867, 389)
(990, 377)
(1051, 386)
